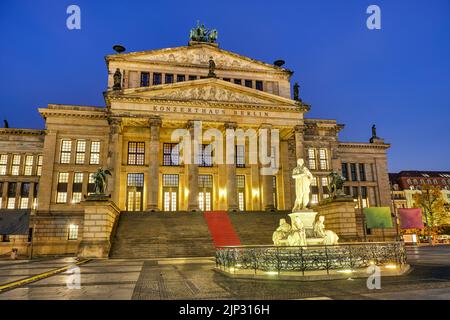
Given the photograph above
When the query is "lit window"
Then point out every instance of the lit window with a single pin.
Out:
(311, 159)
(3, 164)
(39, 165)
(240, 184)
(11, 203)
(314, 182)
(28, 169)
(15, 165)
(76, 197)
(91, 184)
(95, 152)
(23, 203)
(81, 151)
(73, 232)
(66, 149)
(323, 159)
(206, 156)
(61, 194)
(78, 177)
(314, 198)
(169, 180)
(171, 154)
(61, 197)
(240, 156)
(136, 153)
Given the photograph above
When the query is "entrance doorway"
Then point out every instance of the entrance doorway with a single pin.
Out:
(205, 191)
(135, 185)
(170, 192)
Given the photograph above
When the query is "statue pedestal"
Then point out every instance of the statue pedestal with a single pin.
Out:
(306, 216)
(340, 216)
(100, 218)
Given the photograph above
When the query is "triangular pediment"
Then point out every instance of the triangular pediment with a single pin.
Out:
(197, 55)
(210, 90)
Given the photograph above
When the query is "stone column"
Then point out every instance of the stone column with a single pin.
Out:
(192, 171)
(267, 183)
(114, 162)
(153, 165)
(232, 201)
(299, 147)
(46, 179)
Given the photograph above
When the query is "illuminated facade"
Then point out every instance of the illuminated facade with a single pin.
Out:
(149, 95)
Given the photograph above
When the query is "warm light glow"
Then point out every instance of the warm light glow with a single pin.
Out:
(390, 266)
(222, 192)
(186, 193)
(255, 193)
(345, 271)
(371, 262)
(271, 273)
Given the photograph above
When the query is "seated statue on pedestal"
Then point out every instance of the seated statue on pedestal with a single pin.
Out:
(280, 235)
(329, 237)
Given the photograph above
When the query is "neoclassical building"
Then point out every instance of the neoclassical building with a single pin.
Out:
(149, 95)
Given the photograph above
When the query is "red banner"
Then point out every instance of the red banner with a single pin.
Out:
(410, 218)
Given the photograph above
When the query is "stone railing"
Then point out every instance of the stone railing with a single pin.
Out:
(345, 256)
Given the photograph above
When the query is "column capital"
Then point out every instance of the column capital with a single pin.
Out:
(265, 126)
(154, 122)
(299, 128)
(230, 125)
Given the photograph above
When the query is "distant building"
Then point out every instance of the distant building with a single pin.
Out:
(406, 183)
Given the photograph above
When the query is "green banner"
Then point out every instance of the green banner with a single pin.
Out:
(378, 217)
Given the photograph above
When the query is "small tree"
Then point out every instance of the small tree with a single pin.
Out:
(433, 205)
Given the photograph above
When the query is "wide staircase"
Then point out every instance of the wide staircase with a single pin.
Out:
(161, 235)
(144, 235)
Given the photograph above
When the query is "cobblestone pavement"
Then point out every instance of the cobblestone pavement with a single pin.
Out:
(195, 279)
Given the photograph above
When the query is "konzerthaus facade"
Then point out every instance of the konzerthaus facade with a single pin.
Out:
(149, 95)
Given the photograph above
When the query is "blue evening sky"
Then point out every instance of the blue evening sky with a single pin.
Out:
(397, 77)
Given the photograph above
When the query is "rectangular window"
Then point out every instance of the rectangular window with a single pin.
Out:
(95, 152)
(24, 195)
(355, 196)
(344, 170)
(171, 154)
(66, 149)
(227, 79)
(181, 77)
(80, 152)
(237, 81)
(353, 171)
(170, 180)
(157, 78)
(61, 194)
(249, 83)
(136, 153)
(192, 78)
(145, 79)
(312, 159)
(12, 190)
(274, 189)
(15, 167)
(5, 238)
(240, 184)
(40, 160)
(77, 187)
(205, 181)
(73, 232)
(28, 168)
(91, 184)
(364, 200)
(169, 78)
(323, 159)
(240, 156)
(314, 198)
(3, 164)
(325, 189)
(36, 192)
(259, 85)
(206, 156)
(362, 172)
